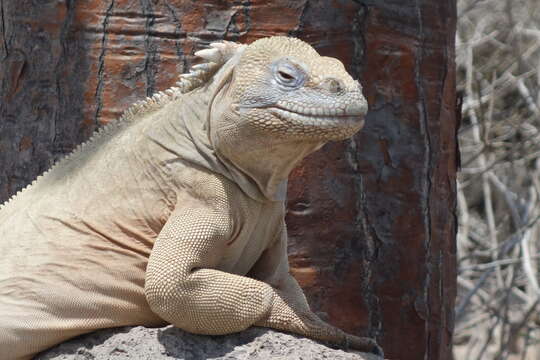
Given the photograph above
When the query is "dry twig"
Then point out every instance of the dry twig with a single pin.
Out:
(498, 62)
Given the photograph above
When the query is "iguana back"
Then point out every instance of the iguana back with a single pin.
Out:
(75, 244)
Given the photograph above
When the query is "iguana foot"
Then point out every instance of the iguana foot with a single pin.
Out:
(364, 344)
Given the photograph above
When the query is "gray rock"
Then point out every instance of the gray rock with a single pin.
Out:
(172, 343)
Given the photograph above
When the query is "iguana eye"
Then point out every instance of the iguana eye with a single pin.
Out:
(288, 75)
(285, 76)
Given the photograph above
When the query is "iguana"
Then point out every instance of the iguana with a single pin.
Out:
(175, 212)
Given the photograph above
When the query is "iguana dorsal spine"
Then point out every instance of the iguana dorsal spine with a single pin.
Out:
(197, 76)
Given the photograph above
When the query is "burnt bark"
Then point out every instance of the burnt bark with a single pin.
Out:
(371, 220)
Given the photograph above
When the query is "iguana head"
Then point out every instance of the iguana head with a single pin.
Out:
(282, 86)
(275, 101)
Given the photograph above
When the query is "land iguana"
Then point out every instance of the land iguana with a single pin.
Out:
(175, 212)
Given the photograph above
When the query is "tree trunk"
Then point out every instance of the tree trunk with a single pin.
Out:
(371, 220)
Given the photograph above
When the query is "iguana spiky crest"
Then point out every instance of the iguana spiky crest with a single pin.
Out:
(198, 75)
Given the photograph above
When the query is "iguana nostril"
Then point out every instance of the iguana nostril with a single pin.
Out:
(332, 85)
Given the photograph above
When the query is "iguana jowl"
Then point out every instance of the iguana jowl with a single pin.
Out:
(175, 212)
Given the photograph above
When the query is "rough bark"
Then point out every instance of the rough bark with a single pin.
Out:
(371, 220)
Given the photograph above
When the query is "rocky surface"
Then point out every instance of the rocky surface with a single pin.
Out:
(172, 343)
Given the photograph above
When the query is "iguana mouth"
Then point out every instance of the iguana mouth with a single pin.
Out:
(351, 109)
(319, 117)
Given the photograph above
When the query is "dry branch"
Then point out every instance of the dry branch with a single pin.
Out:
(498, 61)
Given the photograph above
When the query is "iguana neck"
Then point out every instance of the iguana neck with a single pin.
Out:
(181, 134)
(266, 160)
(259, 165)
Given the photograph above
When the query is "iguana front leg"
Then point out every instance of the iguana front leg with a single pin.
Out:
(290, 311)
(183, 288)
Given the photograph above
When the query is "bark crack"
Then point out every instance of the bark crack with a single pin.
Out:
(101, 63)
(57, 71)
(301, 20)
(178, 34)
(3, 22)
(231, 32)
(359, 41)
(246, 6)
(426, 174)
(150, 52)
(373, 243)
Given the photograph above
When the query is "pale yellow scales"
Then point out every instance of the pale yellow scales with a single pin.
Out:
(175, 212)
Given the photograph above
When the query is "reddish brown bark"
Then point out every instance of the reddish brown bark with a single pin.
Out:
(371, 220)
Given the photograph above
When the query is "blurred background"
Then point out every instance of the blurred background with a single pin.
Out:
(498, 63)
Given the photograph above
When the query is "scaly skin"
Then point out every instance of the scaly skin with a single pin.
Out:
(176, 212)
